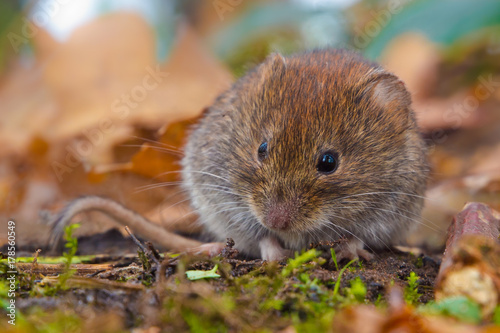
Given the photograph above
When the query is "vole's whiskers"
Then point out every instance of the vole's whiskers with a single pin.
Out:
(194, 211)
(158, 185)
(192, 171)
(235, 220)
(387, 192)
(160, 149)
(218, 188)
(417, 217)
(327, 223)
(242, 222)
(215, 205)
(156, 142)
(332, 225)
(312, 235)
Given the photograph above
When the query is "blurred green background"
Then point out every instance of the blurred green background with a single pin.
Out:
(242, 33)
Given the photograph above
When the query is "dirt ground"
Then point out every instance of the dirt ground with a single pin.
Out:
(137, 295)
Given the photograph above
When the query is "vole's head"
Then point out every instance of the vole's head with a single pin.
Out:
(327, 138)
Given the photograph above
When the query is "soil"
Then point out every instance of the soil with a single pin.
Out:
(391, 267)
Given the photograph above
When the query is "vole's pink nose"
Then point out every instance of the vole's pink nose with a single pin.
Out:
(280, 215)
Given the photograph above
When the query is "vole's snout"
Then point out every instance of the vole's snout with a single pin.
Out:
(281, 214)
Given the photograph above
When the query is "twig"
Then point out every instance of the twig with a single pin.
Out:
(153, 250)
(150, 253)
(136, 241)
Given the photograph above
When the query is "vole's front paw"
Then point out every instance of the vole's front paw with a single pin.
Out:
(352, 249)
(210, 249)
(271, 250)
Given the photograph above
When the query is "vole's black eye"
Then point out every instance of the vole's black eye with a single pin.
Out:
(262, 151)
(328, 162)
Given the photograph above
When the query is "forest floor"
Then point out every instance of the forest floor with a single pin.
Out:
(150, 292)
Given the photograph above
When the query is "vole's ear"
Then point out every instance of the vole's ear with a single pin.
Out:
(388, 91)
(385, 92)
(275, 62)
(273, 66)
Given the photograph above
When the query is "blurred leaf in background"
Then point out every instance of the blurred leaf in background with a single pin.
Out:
(86, 57)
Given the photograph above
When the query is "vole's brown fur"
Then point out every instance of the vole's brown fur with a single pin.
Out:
(302, 106)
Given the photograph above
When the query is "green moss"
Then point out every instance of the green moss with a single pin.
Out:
(419, 263)
(71, 246)
(269, 296)
(299, 262)
(356, 293)
(379, 301)
(411, 294)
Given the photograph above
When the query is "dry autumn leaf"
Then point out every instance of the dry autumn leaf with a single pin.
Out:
(81, 109)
